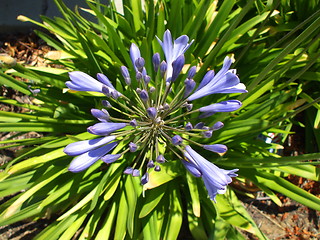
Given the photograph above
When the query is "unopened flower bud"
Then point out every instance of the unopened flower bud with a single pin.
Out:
(190, 85)
(157, 168)
(133, 123)
(217, 148)
(150, 164)
(139, 76)
(160, 159)
(125, 74)
(152, 89)
(106, 104)
(101, 115)
(152, 112)
(207, 134)
(177, 66)
(163, 68)
(136, 172)
(139, 63)
(192, 72)
(110, 92)
(145, 178)
(199, 125)
(156, 61)
(133, 147)
(217, 126)
(33, 91)
(188, 106)
(146, 79)
(144, 95)
(128, 170)
(166, 106)
(176, 140)
(188, 126)
(115, 94)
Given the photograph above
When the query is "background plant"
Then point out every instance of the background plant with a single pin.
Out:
(276, 48)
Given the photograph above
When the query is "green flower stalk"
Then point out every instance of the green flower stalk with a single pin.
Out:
(150, 126)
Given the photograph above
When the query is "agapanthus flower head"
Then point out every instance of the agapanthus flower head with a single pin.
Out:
(152, 120)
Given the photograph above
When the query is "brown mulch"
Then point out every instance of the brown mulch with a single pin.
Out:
(290, 221)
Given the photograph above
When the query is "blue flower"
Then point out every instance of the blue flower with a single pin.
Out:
(88, 158)
(225, 81)
(173, 51)
(214, 178)
(83, 82)
(153, 121)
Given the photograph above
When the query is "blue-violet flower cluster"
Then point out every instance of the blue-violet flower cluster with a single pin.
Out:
(156, 121)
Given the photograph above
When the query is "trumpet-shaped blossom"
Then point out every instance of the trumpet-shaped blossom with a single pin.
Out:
(88, 158)
(172, 50)
(214, 178)
(225, 81)
(152, 121)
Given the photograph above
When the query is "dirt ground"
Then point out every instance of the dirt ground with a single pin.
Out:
(290, 221)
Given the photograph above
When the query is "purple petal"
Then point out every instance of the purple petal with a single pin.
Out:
(180, 45)
(167, 45)
(192, 168)
(206, 79)
(81, 81)
(81, 147)
(105, 128)
(105, 80)
(239, 88)
(85, 160)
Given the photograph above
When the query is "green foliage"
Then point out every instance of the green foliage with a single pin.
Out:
(276, 48)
